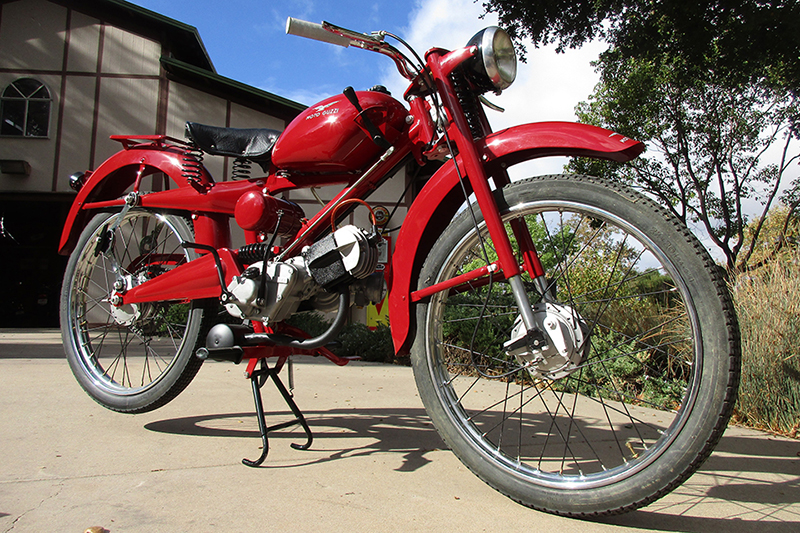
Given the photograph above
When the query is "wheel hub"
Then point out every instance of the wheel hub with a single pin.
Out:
(129, 314)
(557, 348)
(125, 314)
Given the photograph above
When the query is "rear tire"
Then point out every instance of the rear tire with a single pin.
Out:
(631, 417)
(139, 358)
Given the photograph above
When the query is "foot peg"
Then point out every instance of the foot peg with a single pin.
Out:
(234, 354)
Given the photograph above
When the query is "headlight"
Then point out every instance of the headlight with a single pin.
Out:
(496, 65)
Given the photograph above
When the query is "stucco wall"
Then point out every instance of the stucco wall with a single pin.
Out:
(32, 35)
(103, 80)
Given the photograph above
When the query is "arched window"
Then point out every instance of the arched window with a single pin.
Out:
(25, 109)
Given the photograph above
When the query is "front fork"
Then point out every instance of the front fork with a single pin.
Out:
(533, 265)
(530, 258)
(478, 177)
(506, 262)
(546, 343)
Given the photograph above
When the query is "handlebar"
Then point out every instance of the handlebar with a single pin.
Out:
(329, 33)
(312, 30)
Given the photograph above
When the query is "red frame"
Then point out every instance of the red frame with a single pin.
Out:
(212, 204)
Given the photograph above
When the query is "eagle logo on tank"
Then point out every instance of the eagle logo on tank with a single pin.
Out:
(323, 110)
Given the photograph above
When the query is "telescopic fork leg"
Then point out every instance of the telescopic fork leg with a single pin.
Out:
(257, 380)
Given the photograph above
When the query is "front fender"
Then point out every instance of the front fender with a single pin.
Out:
(117, 174)
(440, 199)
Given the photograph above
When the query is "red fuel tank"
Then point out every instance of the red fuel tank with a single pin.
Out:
(329, 136)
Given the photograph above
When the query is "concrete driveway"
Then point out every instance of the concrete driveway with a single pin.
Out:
(376, 463)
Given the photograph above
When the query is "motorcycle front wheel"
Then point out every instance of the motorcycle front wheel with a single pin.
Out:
(630, 396)
(130, 358)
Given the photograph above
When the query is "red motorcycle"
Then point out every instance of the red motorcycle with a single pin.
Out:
(573, 343)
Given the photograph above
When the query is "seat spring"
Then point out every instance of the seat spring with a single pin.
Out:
(241, 169)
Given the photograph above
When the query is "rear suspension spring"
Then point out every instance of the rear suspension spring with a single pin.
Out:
(192, 164)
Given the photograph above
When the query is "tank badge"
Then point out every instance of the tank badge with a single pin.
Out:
(322, 110)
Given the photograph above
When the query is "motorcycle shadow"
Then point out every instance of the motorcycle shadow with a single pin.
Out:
(750, 483)
(371, 431)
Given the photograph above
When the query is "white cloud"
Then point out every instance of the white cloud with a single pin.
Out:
(548, 86)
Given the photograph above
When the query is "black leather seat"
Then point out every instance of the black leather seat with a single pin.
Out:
(253, 144)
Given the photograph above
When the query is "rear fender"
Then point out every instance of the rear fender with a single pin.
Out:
(112, 178)
(440, 199)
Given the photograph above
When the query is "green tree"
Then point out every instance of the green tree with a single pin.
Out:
(739, 40)
(707, 147)
(712, 87)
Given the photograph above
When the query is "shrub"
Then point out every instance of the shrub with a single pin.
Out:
(355, 340)
(370, 345)
(620, 370)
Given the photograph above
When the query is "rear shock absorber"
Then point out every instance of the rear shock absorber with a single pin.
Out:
(192, 163)
(252, 253)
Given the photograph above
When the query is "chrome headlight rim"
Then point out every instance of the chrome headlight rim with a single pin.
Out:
(497, 59)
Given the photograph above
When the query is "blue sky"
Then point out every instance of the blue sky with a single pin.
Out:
(247, 42)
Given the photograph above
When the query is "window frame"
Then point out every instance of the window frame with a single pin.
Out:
(27, 101)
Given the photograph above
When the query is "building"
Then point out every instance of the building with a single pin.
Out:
(72, 73)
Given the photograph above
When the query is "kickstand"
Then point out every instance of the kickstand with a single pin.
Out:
(258, 378)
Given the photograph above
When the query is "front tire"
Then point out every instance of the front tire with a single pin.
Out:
(646, 396)
(131, 359)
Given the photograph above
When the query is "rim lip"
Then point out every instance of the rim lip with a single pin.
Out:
(518, 469)
(79, 337)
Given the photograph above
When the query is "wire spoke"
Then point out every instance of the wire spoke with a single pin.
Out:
(127, 349)
(615, 307)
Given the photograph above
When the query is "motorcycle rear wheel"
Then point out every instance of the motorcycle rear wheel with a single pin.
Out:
(632, 416)
(131, 359)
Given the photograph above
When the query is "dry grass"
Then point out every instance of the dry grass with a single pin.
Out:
(768, 303)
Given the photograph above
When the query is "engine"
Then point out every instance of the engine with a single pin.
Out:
(344, 260)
